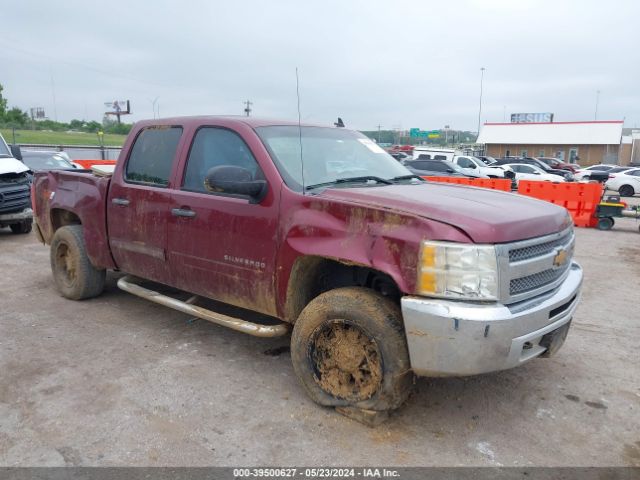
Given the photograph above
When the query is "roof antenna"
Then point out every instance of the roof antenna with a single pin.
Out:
(300, 130)
(339, 123)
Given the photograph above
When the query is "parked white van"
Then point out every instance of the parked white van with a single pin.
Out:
(434, 153)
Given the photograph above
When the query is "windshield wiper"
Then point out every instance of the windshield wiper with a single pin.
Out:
(407, 177)
(362, 179)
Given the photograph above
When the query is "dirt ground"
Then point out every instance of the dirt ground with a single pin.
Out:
(120, 381)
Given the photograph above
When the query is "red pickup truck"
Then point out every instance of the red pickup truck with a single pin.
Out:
(380, 274)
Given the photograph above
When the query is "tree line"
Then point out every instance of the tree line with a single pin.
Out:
(15, 117)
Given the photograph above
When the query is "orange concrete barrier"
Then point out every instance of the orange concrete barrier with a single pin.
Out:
(90, 163)
(492, 183)
(580, 199)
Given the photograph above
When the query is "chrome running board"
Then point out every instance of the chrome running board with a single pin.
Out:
(128, 285)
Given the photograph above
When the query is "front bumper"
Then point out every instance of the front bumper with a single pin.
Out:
(7, 218)
(447, 338)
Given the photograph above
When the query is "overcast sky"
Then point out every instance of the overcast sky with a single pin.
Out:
(396, 63)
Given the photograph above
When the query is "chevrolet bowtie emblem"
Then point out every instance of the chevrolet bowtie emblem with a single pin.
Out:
(560, 258)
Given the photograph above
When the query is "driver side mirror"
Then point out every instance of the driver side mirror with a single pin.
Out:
(16, 152)
(235, 180)
(450, 170)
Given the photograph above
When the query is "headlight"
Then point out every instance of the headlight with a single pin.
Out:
(452, 270)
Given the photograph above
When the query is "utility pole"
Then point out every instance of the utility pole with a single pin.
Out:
(247, 108)
(595, 116)
(480, 109)
(53, 95)
(379, 127)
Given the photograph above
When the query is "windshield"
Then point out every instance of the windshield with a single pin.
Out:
(328, 154)
(49, 162)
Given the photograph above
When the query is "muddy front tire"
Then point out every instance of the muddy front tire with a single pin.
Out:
(74, 275)
(349, 349)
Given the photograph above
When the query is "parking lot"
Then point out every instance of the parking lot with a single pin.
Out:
(120, 381)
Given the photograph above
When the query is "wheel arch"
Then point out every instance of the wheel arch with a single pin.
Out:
(313, 275)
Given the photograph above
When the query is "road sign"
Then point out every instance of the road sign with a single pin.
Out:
(417, 133)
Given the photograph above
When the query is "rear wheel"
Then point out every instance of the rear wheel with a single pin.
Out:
(74, 275)
(627, 191)
(22, 227)
(605, 223)
(349, 350)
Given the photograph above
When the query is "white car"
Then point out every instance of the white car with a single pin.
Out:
(626, 183)
(525, 171)
(473, 165)
(584, 173)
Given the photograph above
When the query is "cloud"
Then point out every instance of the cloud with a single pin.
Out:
(415, 64)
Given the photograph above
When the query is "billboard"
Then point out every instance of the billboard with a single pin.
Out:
(532, 117)
(118, 107)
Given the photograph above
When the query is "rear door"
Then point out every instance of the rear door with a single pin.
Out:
(138, 204)
(223, 246)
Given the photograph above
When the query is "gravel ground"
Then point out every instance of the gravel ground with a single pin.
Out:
(120, 381)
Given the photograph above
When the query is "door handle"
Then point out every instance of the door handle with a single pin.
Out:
(123, 202)
(183, 212)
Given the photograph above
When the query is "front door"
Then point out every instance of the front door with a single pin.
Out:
(223, 246)
(138, 205)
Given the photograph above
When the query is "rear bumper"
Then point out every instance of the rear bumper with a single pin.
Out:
(7, 218)
(448, 338)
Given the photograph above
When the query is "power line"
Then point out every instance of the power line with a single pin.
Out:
(110, 73)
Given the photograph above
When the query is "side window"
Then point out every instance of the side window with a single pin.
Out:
(215, 147)
(526, 169)
(464, 162)
(635, 173)
(515, 168)
(440, 157)
(424, 156)
(152, 156)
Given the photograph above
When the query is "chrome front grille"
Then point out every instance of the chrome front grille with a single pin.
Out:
(532, 251)
(532, 267)
(537, 280)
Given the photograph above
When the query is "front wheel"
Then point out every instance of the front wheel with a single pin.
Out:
(349, 349)
(74, 275)
(605, 223)
(23, 227)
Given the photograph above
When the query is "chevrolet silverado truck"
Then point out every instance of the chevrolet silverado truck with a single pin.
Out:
(15, 200)
(379, 274)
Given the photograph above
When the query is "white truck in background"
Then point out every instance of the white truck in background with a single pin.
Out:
(15, 190)
(471, 165)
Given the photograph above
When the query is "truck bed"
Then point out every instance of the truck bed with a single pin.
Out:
(63, 197)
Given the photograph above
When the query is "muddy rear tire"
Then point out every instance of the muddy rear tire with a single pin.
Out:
(349, 349)
(74, 275)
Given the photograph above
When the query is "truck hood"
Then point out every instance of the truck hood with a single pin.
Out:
(11, 165)
(486, 216)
